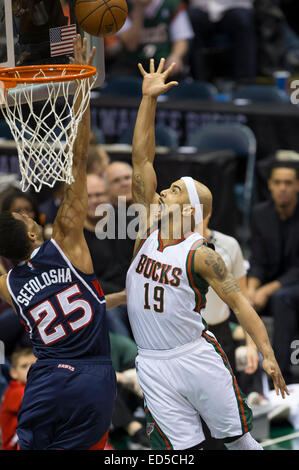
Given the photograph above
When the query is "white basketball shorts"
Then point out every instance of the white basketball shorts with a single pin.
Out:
(183, 384)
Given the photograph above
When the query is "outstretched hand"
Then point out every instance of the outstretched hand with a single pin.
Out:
(80, 52)
(154, 81)
(271, 368)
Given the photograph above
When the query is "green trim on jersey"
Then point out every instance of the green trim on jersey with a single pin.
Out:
(157, 439)
(197, 283)
(245, 412)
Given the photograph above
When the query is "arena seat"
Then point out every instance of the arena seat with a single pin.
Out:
(240, 139)
(165, 136)
(261, 94)
(196, 90)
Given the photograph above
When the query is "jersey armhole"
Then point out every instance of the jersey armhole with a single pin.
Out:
(139, 243)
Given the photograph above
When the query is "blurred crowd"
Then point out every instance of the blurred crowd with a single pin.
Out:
(259, 39)
(237, 40)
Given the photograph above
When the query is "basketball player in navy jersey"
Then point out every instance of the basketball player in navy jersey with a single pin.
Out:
(70, 391)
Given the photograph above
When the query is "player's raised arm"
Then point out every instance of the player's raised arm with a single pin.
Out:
(210, 266)
(143, 151)
(68, 225)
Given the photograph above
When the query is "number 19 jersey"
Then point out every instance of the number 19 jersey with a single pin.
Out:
(165, 297)
(63, 309)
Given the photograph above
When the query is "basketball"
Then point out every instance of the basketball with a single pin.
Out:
(101, 17)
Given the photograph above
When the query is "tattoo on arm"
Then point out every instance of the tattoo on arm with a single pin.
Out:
(228, 282)
(230, 285)
(139, 188)
(217, 263)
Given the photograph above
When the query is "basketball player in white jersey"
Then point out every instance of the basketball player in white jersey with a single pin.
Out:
(182, 369)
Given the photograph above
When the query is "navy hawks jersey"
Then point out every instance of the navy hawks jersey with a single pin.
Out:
(63, 309)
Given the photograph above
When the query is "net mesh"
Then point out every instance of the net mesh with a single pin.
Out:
(45, 132)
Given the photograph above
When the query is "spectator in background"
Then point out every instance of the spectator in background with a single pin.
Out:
(273, 280)
(98, 160)
(21, 360)
(49, 208)
(119, 183)
(110, 253)
(234, 18)
(154, 28)
(18, 201)
(100, 250)
(119, 179)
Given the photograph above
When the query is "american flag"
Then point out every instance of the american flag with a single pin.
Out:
(61, 39)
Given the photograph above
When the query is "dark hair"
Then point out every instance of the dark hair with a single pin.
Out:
(17, 194)
(14, 241)
(284, 164)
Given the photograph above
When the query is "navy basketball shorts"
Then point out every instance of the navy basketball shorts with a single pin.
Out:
(67, 404)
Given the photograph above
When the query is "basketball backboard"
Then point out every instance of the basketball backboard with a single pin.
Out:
(36, 32)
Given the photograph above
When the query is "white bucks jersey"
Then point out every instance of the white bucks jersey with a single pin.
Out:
(165, 297)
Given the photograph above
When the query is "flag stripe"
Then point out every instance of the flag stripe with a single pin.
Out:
(61, 40)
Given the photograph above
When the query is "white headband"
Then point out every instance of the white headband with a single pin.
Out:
(193, 198)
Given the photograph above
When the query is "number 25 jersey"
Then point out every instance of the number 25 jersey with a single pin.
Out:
(165, 297)
(63, 309)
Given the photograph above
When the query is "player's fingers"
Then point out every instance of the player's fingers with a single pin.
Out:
(142, 71)
(84, 48)
(275, 386)
(91, 55)
(168, 71)
(3, 93)
(283, 388)
(161, 65)
(170, 85)
(152, 66)
(76, 46)
(279, 385)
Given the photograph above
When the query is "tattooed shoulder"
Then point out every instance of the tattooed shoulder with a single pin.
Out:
(211, 258)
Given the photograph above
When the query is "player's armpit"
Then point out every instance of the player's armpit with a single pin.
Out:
(144, 181)
(144, 184)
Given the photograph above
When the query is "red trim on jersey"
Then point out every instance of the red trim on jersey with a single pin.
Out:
(161, 247)
(102, 442)
(98, 288)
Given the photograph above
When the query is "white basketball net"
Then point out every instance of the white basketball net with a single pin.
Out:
(45, 134)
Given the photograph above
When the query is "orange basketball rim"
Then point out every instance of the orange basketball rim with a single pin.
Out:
(39, 74)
